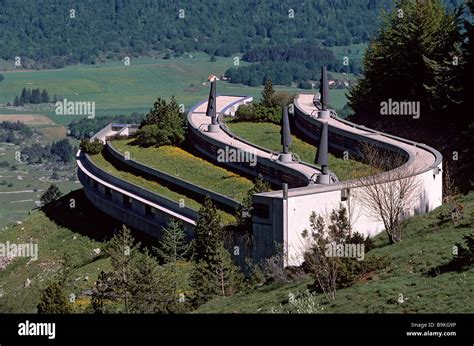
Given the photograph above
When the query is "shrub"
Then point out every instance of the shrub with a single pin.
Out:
(91, 147)
(51, 194)
(258, 113)
(151, 135)
(302, 304)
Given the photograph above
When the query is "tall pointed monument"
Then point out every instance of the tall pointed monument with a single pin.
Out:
(322, 156)
(324, 91)
(286, 139)
(212, 106)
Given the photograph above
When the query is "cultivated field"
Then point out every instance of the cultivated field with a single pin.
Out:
(120, 89)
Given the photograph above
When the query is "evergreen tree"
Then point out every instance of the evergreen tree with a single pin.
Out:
(163, 125)
(50, 195)
(173, 246)
(267, 93)
(29, 96)
(411, 59)
(35, 96)
(24, 97)
(53, 300)
(101, 290)
(44, 96)
(122, 252)
(221, 278)
(208, 232)
(17, 102)
(152, 288)
(213, 271)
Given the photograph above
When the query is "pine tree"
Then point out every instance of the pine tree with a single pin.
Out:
(44, 96)
(267, 93)
(152, 288)
(122, 252)
(213, 271)
(53, 300)
(29, 96)
(101, 290)
(173, 246)
(208, 232)
(411, 59)
(50, 195)
(24, 97)
(17, 103)
(221, 277)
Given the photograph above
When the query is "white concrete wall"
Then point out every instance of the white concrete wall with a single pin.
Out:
(301, 207)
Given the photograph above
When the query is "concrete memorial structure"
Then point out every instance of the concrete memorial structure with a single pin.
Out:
(279, 216)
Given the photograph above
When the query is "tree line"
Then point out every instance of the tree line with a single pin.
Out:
(219, 28)
(35, 96)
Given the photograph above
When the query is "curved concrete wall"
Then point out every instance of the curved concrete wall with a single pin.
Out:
(422, 162)
(279, 218)
(129, 203)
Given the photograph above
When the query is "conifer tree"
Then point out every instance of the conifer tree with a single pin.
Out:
(50, 195)
(122, 252)
(267, 93)
(53, 300)
(151, 288)
(213, 272)
(411, 59)
(173, 246)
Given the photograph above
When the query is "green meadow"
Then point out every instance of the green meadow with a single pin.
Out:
(119, 89)
(268, 136)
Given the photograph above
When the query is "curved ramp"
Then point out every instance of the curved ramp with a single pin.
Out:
(302, 173)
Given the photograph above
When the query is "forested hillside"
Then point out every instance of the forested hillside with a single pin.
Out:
(40, 30)
(279, 35)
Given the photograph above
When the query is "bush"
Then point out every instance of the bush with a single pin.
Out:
(50, 195)
(151, 135)
(92, 147)
(255, 112)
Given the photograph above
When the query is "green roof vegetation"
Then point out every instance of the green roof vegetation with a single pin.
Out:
(153, 186)
(184, 165)
(267, 135)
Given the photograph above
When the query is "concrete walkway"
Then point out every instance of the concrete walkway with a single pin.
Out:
(423, 158)
(201, 121)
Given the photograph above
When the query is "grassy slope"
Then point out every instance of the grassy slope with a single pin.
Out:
(61, 230)
(154, 186)
(174, 160)
(119, 89)
(268, 135)
(427, 243)
(53, 242)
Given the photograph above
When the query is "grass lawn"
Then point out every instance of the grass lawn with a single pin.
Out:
(267, 135)
(176, 161)
(428, 242)
(154, 186)
(119, 89)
